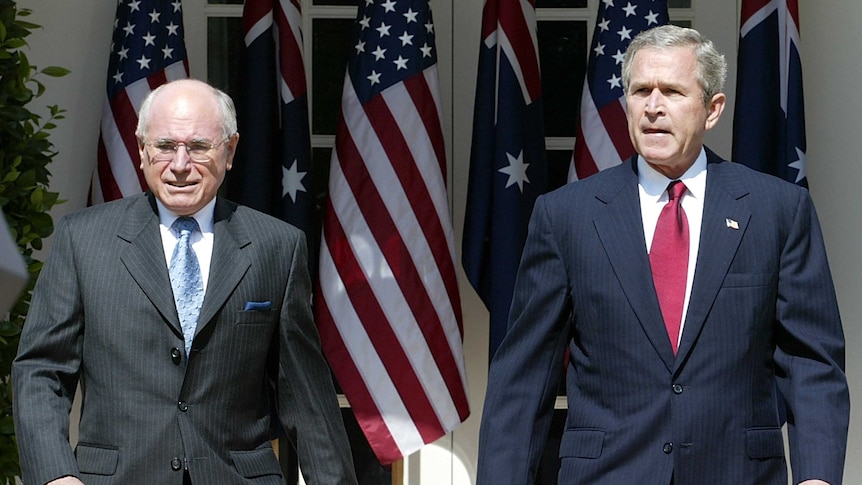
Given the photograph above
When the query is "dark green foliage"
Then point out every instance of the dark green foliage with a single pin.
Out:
(25, 153)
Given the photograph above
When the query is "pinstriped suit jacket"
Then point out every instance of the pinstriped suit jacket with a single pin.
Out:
(762, 310)
(103, 314)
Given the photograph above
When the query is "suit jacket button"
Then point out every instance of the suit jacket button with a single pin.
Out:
(176, 356)
(667, 448)
(677, 389)
(176, 464)
(183, 406)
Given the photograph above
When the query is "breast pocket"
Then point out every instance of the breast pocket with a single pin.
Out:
(259, 317)
(748, 280)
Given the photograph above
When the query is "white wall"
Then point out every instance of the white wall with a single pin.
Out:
(76, 35)
(831, 40)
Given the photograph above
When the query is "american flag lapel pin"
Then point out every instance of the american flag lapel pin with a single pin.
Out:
(732, 224)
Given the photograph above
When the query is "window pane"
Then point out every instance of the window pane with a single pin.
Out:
(318, 189)
(331, 40)
(224, 53)
(561, 3)
(563, 59)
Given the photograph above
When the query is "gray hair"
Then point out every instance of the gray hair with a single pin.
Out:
(225, 106)
(711, 66)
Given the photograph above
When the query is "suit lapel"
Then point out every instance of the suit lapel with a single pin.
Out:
(724, 222)
(144, 257)
(620, 228)
(228, 264)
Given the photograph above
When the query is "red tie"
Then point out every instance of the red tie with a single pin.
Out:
(668, 258)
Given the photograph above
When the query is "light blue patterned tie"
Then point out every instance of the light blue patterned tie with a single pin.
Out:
(186, 279)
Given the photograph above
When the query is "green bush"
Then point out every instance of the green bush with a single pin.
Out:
(25, 153)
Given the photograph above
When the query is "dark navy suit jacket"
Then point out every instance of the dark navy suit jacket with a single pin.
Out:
(762, 311)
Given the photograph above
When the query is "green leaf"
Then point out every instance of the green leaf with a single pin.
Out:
(15, 44)
(25, 153)
(37, 196)
(55, 71)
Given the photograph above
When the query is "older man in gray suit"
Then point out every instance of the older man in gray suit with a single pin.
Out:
(179, 355)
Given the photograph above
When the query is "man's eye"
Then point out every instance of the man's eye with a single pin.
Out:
(166, 146)
(198, 147)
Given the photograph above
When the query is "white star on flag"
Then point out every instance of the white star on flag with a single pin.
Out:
(799, 165)
(516, 170)
(291, 181)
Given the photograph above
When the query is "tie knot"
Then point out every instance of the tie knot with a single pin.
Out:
(675, 190)
(185, 225)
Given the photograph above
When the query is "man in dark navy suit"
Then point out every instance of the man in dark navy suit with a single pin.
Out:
(684, 287)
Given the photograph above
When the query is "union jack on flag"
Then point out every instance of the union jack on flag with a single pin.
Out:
(147, 50)
(769, 115)
(602, 139)
(387, 305)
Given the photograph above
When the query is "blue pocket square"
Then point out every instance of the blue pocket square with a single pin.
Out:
(251, 306)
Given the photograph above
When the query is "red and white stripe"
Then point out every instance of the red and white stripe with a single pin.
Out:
(118, 172)
(602, 139)
(388, 306)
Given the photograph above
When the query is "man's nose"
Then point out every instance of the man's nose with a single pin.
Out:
(655, 102)
(181, 159)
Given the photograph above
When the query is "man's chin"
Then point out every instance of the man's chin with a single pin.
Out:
(180, 204)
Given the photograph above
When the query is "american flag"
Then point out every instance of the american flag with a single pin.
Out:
(508, 170)
(147, 50)
(602, 139)
(387, 305)
(769, 116)
(271, 169)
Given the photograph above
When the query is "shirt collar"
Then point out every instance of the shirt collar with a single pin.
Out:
(204, 217)
(654, 183)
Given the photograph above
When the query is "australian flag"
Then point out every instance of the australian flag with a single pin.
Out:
(271, 169)
(507, 160)
(769, 117)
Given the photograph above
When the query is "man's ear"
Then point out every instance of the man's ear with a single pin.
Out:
(141, 148)
(231, 150)
(714, 110)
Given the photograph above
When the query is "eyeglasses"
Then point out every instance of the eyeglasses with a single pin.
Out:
(164, 150)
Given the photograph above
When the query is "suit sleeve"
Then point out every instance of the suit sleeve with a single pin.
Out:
(308, 407)
(810, 352)
(526, 370)
(45, 371)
